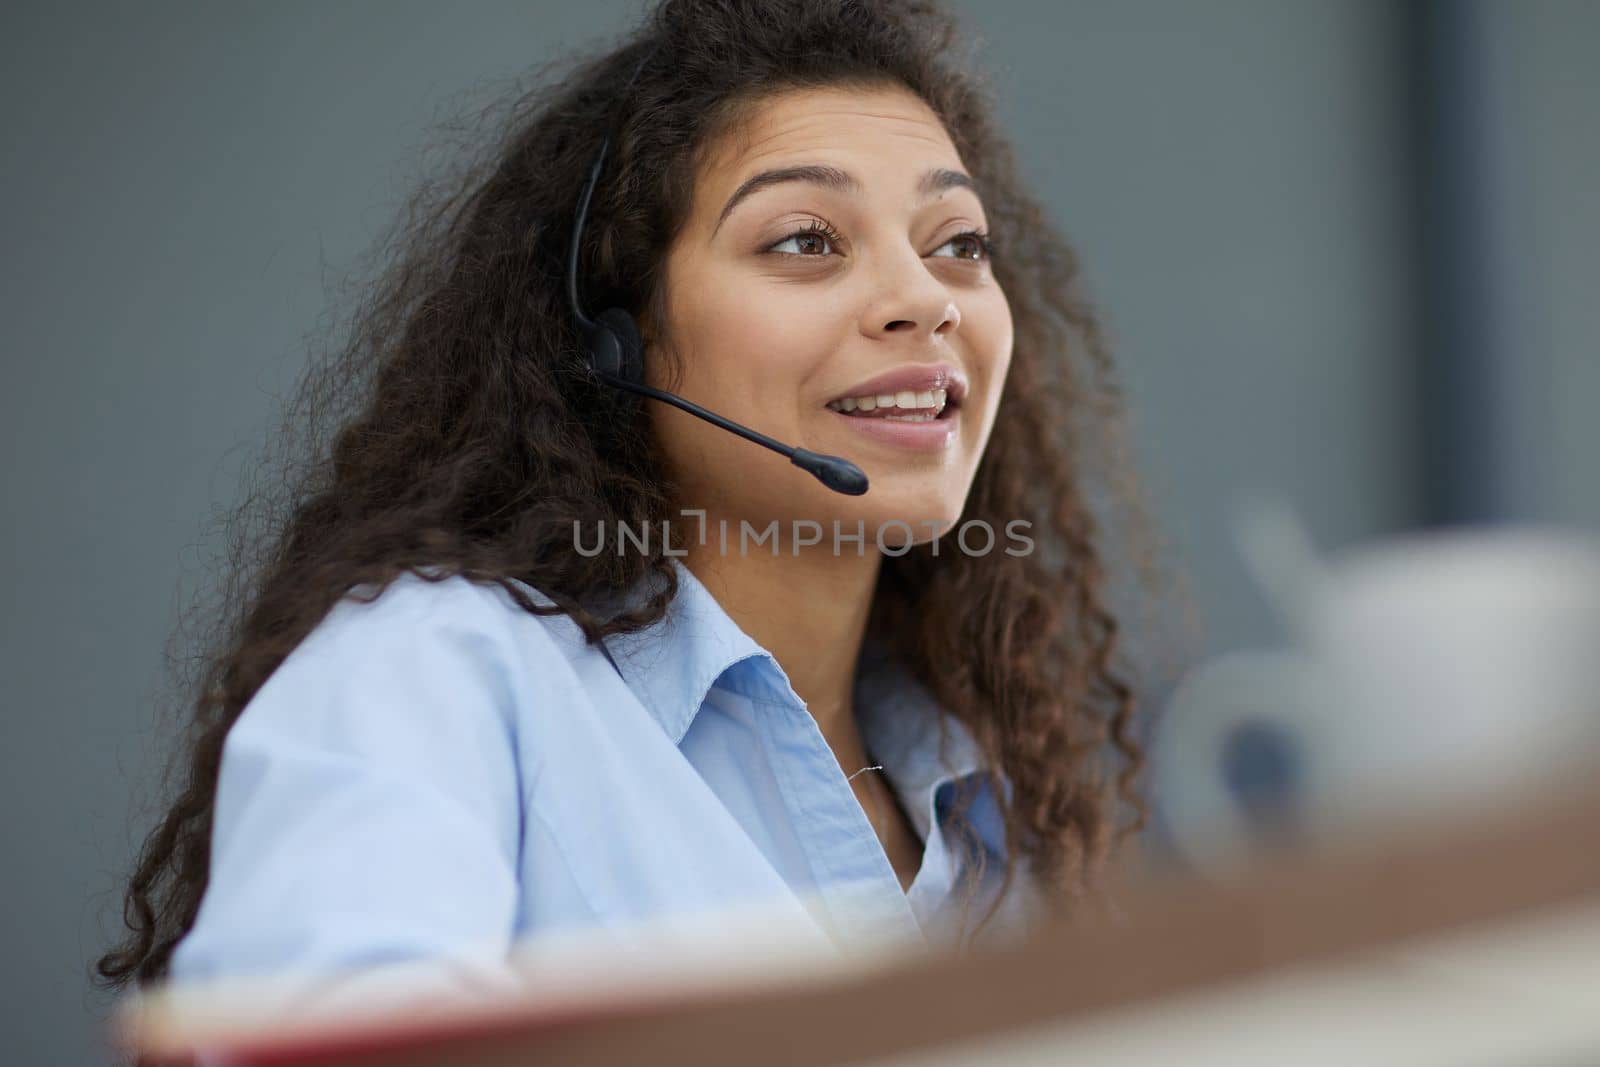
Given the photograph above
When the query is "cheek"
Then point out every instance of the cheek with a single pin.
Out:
(991, 329)
(988, 346)
(716, 326)
(751, 342)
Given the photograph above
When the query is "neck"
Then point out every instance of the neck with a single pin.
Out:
(810, 612)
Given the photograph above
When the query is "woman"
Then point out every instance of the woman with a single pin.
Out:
(529, 653)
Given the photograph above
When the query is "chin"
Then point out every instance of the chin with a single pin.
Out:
(898, 509)
(928, 514)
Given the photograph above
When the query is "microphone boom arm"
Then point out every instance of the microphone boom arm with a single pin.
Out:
(834, 472)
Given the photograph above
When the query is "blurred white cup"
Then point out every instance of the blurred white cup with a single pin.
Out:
(1431, 674)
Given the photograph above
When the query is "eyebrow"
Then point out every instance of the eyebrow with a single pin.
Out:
(932, 183)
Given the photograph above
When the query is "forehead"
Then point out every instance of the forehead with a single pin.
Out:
(889, 126)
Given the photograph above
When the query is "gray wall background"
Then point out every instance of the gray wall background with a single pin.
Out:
(1240, 176)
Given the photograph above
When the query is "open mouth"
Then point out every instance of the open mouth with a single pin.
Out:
(926, 405)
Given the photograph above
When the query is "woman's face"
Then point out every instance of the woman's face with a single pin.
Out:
(886, 294)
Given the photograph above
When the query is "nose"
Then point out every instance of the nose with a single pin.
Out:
(910, 300)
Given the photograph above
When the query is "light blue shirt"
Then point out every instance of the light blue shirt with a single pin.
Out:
(439, 774)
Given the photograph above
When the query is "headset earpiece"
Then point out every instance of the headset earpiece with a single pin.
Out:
(616, 351)
(616, 347)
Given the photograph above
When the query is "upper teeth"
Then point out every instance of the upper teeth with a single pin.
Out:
(909, 399)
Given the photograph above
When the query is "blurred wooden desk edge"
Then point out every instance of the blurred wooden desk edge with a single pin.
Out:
(1174, 938)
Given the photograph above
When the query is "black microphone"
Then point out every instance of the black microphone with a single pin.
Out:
(832, 471)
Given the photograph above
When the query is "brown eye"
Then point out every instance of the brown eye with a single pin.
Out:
(815, 236)
(975, 246)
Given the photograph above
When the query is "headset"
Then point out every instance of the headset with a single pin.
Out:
(614, 355)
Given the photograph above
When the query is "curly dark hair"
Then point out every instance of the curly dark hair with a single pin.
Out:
(452, 431)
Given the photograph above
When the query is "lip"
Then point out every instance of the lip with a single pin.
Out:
(922, 436)
(916, 377)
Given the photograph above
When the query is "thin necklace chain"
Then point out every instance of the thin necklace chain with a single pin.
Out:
(877, 807)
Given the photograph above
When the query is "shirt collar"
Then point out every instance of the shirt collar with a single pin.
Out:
(919, 745)
(672, 664)
(904, 728)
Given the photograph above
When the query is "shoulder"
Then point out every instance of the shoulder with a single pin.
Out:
(425, 654)
(411, 600)
(476, 617)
